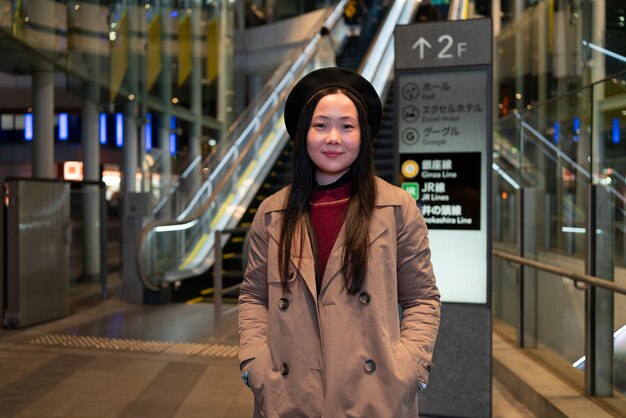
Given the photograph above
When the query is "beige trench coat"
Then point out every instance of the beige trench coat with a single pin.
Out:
(330, 354)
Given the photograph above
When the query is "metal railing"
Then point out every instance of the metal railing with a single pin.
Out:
(589, 281)
(595, 363)
(218, 278)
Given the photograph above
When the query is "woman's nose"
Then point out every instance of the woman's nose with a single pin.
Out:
(333, 137)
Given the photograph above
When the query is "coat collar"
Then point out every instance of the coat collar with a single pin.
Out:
(386, 195)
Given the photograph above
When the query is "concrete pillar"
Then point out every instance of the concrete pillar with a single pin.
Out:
(496, 10)
(165, 89)
(130, 156)
(43, 121)
(141, 125)
(519, 55)
(91, 172)
(195, 86)
(495, 94)
(225, 105)
(132, 288)
(241, 15)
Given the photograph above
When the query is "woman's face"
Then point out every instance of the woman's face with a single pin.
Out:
(334, 137)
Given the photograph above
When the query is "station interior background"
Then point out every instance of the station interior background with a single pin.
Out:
(161, 120)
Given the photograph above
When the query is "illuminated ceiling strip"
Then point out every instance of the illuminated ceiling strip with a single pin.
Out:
(119, 129)
(573, 229)
(148, 143)
(28, 126)
(103, 128)
(63, 126)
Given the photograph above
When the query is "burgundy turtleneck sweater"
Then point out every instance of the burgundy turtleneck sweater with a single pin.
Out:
(327, 213)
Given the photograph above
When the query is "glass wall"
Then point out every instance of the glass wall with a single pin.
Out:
(547, 48)
(559, 198)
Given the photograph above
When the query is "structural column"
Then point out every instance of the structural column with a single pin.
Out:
(600, 369)
(225, 69)
(519, 57)
(165, 81)
(195, 86)
(142, 123)
(132, 208)
(43, 120)
(91, 173)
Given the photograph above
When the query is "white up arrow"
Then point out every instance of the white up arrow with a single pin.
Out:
(421, 43)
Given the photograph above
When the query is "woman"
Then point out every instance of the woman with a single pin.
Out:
(331, 256)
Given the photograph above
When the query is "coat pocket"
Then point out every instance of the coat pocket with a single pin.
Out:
(273, 398)
(257, 370)
(405, 363)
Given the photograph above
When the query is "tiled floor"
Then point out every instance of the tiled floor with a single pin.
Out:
(112, 359)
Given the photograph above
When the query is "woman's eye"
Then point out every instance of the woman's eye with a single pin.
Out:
(318, 125)
(348, 126)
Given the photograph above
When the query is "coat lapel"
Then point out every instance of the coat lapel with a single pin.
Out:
(302, 260)
(377, 228)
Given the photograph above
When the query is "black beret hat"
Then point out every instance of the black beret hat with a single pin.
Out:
(332, 77)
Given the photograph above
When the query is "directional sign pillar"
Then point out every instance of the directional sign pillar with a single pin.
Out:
(443, 159)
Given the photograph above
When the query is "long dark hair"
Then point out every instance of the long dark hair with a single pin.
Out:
(360, 209)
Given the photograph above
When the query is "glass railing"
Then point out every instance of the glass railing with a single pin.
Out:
(171, 250)
(559, 198)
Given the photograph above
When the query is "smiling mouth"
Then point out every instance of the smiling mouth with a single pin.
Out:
(332, 154)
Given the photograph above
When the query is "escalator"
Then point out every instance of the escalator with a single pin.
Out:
(199, 289)
(251, 163)
(384, 143)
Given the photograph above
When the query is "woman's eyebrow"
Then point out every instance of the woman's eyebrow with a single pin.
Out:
(322, 116)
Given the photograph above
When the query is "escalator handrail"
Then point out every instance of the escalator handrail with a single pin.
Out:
(195, 215)
(380, 57)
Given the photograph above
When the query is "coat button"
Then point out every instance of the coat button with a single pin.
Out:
(369, 365)
(283, 304)
(365, 298)
(284, 369)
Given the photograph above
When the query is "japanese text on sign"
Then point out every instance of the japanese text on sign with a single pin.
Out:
(446, 187)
